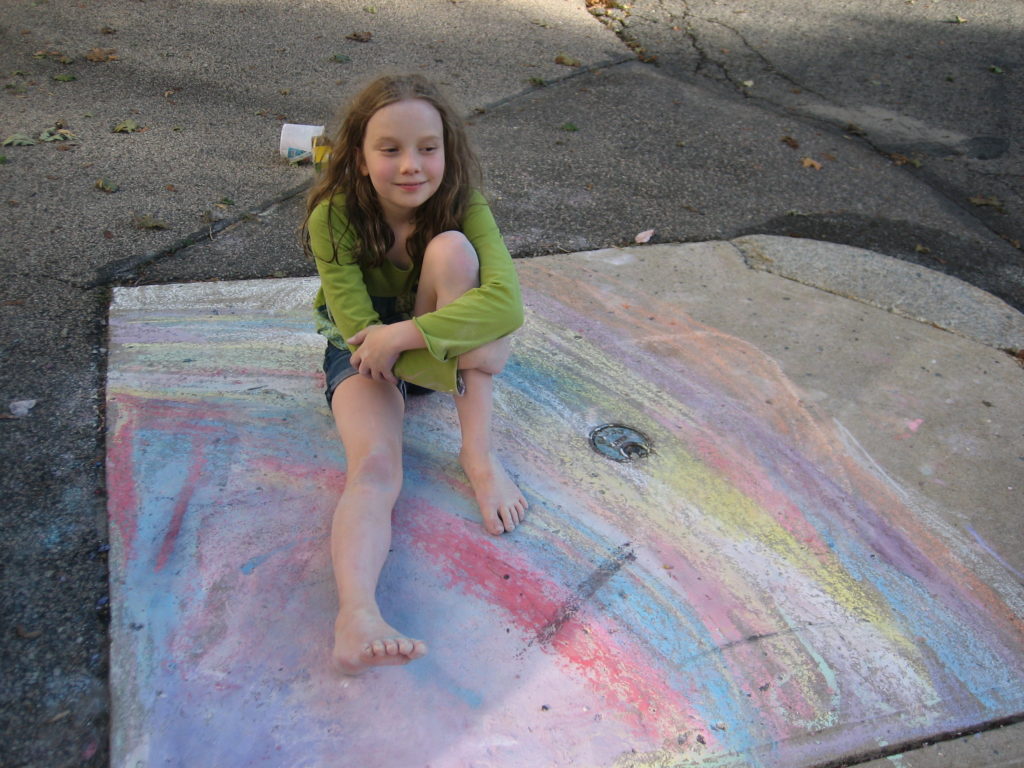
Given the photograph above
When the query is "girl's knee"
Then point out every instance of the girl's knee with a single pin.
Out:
(490, 358)
(454, 249)
(381, 470)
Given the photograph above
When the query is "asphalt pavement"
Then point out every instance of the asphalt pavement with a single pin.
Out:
(892, 129)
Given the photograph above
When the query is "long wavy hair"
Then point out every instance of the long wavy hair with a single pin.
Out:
(443, 211)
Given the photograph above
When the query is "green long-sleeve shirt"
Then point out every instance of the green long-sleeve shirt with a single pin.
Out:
(481, 315)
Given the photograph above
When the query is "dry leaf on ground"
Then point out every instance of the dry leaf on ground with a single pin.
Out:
(127, 126)
(148, 222)
(19, 140)
(990, 201)
(98, 55)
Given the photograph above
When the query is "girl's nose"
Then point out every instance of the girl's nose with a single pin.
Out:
(410, 162)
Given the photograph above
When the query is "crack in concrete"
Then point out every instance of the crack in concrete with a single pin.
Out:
(769, 65)
(706, 61)
(756, 638)
(61, 280)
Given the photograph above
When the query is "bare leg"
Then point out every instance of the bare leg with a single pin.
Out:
(450, 268)
(502, 506)
(369, 418)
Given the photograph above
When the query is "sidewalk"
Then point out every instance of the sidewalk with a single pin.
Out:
(798, 574)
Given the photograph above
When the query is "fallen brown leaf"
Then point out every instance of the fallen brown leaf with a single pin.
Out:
(809, 162)
(26, 634)
(360, 37)
(127, 126)
(789, 141)
(987, 200)
(97, 55)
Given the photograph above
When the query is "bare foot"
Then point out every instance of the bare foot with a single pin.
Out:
(362, 639)
(502, 505)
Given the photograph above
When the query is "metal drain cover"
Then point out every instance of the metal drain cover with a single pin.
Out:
(619, 442)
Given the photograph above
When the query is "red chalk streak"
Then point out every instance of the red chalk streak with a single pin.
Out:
(181, 507)
(122, 501)
(127, 411)
(619, 670)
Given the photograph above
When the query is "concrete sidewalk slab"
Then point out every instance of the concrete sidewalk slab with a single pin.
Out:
(794, 576)
(897, 286)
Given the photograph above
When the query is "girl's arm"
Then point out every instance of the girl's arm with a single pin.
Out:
(482, 314)
(347, 298)
(344, 290)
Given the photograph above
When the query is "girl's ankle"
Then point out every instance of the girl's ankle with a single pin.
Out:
(353, 607)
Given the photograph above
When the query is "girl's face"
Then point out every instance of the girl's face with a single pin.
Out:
(403, 154)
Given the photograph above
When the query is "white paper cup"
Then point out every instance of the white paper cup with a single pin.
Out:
(297, 140)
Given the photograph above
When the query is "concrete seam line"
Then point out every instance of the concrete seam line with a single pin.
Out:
(576, 72)
(900, 748)
(124, 269)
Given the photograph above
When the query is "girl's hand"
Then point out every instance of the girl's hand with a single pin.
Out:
(377, 353)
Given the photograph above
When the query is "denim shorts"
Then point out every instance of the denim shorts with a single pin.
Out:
(338, 362)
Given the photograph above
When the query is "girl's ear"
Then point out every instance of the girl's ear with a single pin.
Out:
(361, 163)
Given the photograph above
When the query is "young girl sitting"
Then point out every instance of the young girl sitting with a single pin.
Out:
(416, 287)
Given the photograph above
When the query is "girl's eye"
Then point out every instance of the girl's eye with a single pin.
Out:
(430, 149)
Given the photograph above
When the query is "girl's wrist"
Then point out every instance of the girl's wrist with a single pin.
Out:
(405, 335)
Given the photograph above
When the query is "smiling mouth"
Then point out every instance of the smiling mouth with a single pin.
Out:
(412, 185)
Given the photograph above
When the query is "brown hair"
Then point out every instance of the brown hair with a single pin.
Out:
(443, 211)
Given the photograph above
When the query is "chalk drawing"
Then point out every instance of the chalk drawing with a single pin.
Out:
(752, 593)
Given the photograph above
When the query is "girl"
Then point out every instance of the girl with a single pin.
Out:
(416, 286)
